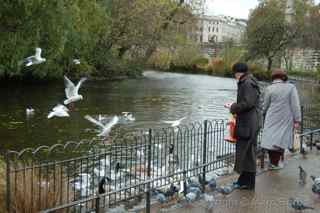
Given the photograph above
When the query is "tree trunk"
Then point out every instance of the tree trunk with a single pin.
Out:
(270, 61)
(122, 51)
(286, 61)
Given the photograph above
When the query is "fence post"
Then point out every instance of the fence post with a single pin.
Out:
(204, 154)
(8, 190)
(302, 120)
(148, 192)
(311, 141)
(302, 128)
(98, 204)
(184, 182)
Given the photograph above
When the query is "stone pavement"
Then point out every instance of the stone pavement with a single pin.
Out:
(273, 189)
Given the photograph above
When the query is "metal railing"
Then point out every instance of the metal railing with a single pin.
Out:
(65, 177)
(132, 164)
(308, 138)
(310, 117)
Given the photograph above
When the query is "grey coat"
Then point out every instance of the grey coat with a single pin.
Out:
(281, 108)
(246, 129)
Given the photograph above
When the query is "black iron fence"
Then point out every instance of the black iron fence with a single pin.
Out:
(91, 175)
(310, 117)
(128, 167)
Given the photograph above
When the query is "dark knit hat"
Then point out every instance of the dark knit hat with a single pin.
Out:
(278, 73)
(240, 67)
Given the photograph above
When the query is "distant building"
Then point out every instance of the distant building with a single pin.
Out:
(217, 29)
(302, 59)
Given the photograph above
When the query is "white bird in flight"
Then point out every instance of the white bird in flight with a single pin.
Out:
(72, 91)
(59, 111)
(105, 128)
(175, 123)
(35, 59)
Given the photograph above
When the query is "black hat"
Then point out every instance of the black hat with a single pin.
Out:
(240, 67)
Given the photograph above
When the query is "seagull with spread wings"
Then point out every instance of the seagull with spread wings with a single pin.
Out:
(72, 91)
(59, 111)
(105, 128)
(34, 59)
(175, 123)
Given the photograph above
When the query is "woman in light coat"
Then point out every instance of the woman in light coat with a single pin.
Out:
(282, 112)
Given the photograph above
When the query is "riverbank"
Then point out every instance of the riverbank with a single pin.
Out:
(260, 75)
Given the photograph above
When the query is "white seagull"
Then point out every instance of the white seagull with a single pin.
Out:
(175, 123)
(105, 128)
(72, 91)
(76, 61)
(128, 116)
(29, 111)
(59, 111)
(35, 59)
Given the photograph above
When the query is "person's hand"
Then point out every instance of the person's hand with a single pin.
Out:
(296, 125)
(228, 105)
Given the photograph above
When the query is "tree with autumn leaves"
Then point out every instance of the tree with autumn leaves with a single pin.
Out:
(269, 35)
(110, 37)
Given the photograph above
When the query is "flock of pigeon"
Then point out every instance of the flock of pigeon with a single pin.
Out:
(72, 95)
(297, 204)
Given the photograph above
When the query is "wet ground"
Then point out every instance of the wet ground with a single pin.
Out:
(273, 189)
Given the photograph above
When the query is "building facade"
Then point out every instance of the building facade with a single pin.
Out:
(302, 59)
(217, 29)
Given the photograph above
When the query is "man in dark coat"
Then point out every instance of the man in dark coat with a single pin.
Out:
(247, 126)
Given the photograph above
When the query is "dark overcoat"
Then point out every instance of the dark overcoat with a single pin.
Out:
(247, 125)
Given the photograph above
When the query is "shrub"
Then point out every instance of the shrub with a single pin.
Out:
(258, 71)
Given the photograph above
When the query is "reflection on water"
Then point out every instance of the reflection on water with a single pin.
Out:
(156, 97)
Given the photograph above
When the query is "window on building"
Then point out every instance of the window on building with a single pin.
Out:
(209, 29)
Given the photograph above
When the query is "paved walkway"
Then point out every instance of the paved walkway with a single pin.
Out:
(273, 188)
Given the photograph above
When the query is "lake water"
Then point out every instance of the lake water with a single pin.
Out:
(157, 97)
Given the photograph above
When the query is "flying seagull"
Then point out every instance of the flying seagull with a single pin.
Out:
(35, 59)
(59, 111)
(175, 123)
(72, 91)
(105, 128)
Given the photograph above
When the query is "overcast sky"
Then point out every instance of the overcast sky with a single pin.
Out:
(235, 8)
